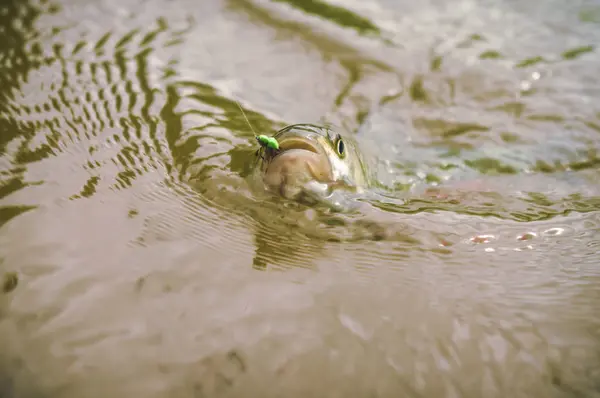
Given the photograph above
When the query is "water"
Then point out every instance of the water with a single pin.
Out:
(145, 266)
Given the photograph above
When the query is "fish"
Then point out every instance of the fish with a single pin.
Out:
(317, 164)
(312, 160)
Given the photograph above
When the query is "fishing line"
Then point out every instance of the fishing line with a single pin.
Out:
(263, 140)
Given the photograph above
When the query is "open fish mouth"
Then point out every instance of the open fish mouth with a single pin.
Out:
(299, 143)
(301, 163)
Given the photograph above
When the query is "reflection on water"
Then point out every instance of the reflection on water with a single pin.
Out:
(136, 260)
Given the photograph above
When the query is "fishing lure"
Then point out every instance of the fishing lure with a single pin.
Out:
(263, 140)
(267, 142)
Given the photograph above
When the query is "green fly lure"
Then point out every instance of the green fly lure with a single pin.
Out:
(263, 140)
(267, 142)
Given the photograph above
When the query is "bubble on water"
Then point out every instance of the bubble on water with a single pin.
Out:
(527, 236)
(388, 166)
(554, 231)
(520, 249)
(444, 243)
(482, 238)
(525, 85)
(394, 92)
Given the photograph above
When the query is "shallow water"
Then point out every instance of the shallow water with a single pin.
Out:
(147, 267)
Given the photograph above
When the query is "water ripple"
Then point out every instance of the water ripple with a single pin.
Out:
(127, 216)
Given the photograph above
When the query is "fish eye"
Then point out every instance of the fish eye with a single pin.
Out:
(340, 146)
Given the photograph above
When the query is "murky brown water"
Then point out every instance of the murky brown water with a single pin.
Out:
(147, 268)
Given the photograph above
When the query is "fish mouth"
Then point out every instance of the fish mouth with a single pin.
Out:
(298, 161)
(299, 143)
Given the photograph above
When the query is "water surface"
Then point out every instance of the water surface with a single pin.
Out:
(140, 263)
